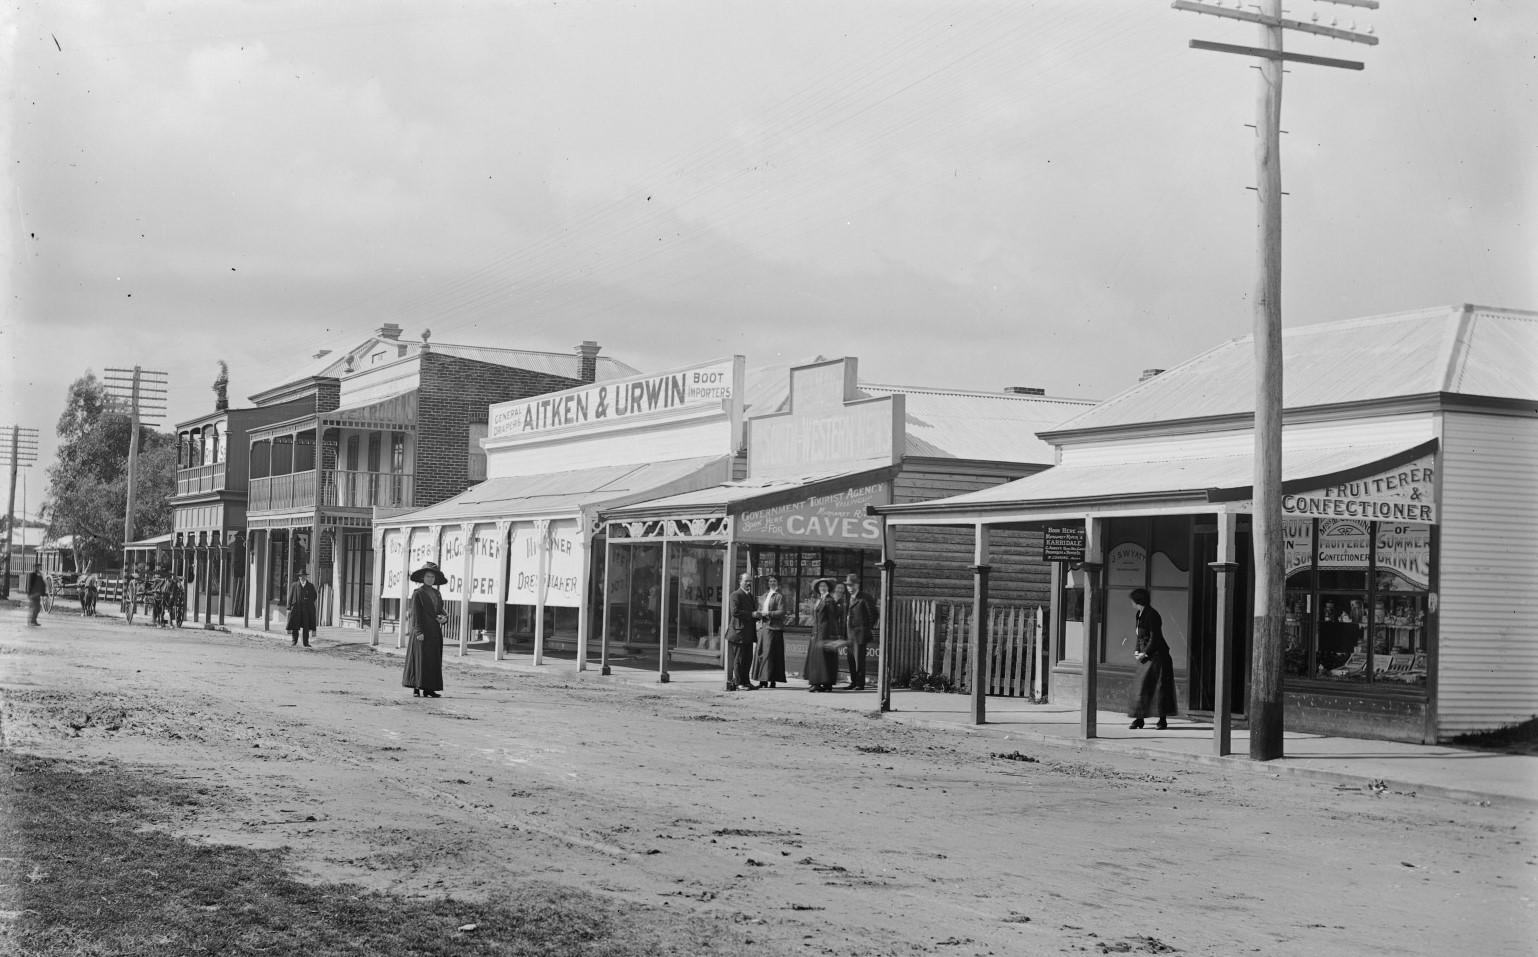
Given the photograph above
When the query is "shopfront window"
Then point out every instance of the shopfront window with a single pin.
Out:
(694, 597)
(799, 569)
(1356, 608)
(1151, 553)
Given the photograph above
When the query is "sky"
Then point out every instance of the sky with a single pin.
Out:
(967, 194)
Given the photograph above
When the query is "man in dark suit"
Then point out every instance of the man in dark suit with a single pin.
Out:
(740, 632)
(860, 614)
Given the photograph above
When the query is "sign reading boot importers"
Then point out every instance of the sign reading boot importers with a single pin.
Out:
(837, 518)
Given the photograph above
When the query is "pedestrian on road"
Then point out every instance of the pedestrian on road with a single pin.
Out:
(821, 667)
(301, 609)
(424, 649)
(90, 588)
(860, 614)
(769, 657)
(740, 634)
(37, 587)
(1152, 693)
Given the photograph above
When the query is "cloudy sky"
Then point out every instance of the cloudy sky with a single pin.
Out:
(973, 194)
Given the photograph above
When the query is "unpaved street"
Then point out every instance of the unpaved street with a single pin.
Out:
(806, 830)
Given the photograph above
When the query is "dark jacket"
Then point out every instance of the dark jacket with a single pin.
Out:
(37, 585)
(301, 607)
(861, 616)
(739, 627)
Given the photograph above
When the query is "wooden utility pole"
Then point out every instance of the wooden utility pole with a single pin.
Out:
(142, 395)
(22, 452)
(1266, 665)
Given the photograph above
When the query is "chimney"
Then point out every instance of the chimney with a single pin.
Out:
(1024, 390)
(587, 361)
(389, 330)
(1149, 374)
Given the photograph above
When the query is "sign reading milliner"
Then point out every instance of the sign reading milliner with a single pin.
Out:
(687, 390)
(1403, 494)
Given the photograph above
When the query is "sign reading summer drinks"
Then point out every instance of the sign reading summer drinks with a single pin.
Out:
(1403, 494)
(559, 543)
(835, 519)
(1063, 543)
(671, 393)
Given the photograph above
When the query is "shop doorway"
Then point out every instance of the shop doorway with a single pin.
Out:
(1204, 618)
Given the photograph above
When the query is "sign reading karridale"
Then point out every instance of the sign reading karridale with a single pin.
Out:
(1403, 494)
(688, 390)
(836, 519)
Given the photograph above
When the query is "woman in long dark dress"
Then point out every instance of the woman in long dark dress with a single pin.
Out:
(423, 673)
(769, 653)
(1152, 693)
(821, 667)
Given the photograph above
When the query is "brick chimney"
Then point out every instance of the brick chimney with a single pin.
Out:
(389, 330)
(1024, 390)
(587, 361)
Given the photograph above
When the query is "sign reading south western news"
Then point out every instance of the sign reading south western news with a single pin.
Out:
(1403, 494)
(652, 396)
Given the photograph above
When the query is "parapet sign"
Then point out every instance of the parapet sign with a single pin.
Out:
(1063, 543)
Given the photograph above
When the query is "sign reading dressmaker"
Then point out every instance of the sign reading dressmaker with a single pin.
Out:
(835, 519)
(563, 559)
(1403, 494)
(654, 396)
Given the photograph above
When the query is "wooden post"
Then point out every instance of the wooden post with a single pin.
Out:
(978, 666)
(1223, 568)
(584, 586)
(542, 543)
(884, 635)
(376, 585)
(403, 595)
(662, 620)
(603, 618)
(467, 542)
(728, 588)
(225, 574)
(1265, 710)
(266, 572)
(1088, 707)
(500, 651)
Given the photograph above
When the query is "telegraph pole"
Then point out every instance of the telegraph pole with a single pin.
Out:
(20, 446)
(141, 395)
(1266, 667)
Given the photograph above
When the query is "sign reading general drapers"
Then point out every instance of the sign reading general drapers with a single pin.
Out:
(1403, 494)
(835, 519)
(688, 390)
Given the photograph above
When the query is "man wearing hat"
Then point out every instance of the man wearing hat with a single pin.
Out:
(301, 608)
(423, 673)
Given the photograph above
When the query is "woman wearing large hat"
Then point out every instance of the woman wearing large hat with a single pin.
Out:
(821, 667)
(424, 647)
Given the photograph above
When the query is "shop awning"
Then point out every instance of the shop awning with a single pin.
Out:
(554, 494)
(734, 498)
(1168, 480)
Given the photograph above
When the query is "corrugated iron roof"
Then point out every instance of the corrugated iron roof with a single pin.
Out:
(728, 496)
(561, 493)
(979, 426)
(1468, 350)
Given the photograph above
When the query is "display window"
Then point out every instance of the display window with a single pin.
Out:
(799, 569)
(1356, 608)
(1151, 553)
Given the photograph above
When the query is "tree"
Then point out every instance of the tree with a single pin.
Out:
(88, 484)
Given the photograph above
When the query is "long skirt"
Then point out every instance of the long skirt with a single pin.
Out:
(1152, 692)
(821, 666)
(769, 656)
(424, 664)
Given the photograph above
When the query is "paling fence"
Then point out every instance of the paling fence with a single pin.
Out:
(933, 639)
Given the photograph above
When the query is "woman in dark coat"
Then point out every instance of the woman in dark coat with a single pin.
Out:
(821, 667)
(1152, 692)
(424, 648)
(769, 653)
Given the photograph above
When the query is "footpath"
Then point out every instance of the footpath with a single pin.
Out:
(1376, 766)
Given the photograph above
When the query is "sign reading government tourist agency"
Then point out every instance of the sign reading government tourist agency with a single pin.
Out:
(1402, 494)
(640, 397)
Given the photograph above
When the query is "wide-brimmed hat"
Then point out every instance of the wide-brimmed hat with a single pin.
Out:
(416, 576)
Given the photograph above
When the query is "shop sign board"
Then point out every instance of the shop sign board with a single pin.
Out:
(1402, 494)
(650, 397)
(485, 563)
(394, 546)
(830, 427)
(836, 519)
(1402, 548)
(424, 549)
(452, 547)
(1063, 543)
(550, 553)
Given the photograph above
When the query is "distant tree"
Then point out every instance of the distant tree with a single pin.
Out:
(88, 484)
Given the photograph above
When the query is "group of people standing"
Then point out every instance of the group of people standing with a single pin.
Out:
(843, 619)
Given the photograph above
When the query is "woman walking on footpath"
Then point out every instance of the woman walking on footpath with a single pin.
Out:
(1152, 693)
(769, 655)
(423, 673)
(821, 667)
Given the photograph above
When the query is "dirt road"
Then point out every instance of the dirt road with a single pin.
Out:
(804, 830)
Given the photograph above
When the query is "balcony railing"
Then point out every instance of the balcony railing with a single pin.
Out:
(200, 478)
(338, 488)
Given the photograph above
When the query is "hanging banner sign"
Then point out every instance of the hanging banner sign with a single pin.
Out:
(667, 395)
(452, 561)
(551, 553)
(837, 519)
(394, 545)
(1063, 543)
(1403, 494)
(485, 563)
